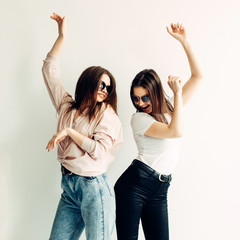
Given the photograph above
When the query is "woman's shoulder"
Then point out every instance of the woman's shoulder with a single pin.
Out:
(141, 115)
(141, 121)
(108, 110)
(109, 113)
(65, 103)
(109, 122)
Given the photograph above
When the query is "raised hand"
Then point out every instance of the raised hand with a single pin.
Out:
(174, 83)
(177, 31)
(61, 23)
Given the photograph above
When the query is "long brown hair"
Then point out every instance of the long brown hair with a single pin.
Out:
(86, 92)
(150, 80)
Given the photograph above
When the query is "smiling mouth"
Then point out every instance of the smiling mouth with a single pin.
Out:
(101, 95)
(145, 108)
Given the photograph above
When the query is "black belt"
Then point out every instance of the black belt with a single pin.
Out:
(152, 172)
(65, 171)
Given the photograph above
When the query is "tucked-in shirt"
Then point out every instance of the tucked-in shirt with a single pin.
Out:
(103, 133)
(161, 154)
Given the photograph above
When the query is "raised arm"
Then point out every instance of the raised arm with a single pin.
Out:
(175, 128)
(57, 47)
(178, 32)
(51, 70)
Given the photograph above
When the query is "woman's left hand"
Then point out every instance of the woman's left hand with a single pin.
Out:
(61, 23)
(177, 31)
(57, 138)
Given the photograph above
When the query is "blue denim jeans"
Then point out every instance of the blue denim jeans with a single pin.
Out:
(86, 203)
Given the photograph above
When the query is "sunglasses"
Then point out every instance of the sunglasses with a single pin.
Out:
(103, 85)
(144, 98)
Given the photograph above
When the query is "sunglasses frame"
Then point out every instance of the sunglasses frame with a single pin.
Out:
(103, 85)
(142, 98)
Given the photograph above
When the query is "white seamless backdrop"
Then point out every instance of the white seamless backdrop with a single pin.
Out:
(125, 37)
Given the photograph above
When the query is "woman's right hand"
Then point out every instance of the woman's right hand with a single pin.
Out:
(61, 23)
(174, 83)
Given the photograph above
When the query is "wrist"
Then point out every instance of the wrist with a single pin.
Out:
(61, 36)
(184, 43)
(178, 93)
(68, 131)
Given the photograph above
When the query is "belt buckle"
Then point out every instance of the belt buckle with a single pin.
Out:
(65, 172)
(160, 178)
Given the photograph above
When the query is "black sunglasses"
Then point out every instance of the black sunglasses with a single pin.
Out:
(103, 85)
(144, 98)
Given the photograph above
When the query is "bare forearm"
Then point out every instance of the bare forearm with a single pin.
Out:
(94, 148)
(57, 47)
(194, 65)
(76, 136)
(176, 124)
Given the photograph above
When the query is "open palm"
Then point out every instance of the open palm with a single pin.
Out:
(177, 31)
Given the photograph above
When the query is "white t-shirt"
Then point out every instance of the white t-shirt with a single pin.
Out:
(161, 154)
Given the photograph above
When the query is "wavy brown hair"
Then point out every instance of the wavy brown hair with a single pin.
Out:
(150, 80)
(86, 92)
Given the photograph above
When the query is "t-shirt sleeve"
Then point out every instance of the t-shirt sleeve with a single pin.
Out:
(141, 122)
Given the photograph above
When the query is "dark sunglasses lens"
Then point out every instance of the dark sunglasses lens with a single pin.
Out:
(102, 86)
(146, 98)
(109, 89)
(135, 99)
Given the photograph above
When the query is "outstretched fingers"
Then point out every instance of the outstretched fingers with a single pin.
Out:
(177, 27)
(169, 31)
(177, 31)
(51, 144)
(57, 17)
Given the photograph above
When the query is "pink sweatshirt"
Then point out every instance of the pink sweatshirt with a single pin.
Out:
(104, 133)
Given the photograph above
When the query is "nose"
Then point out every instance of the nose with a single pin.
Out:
(104, 90)
(141, 103)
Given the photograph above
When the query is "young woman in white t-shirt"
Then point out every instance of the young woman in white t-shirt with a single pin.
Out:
(141, 191)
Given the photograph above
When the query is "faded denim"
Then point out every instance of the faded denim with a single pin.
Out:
(86, 203)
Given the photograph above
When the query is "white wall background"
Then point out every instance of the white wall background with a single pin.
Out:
(125, 37)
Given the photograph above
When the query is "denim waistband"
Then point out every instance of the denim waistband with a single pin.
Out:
(65, 171)
(151, 171)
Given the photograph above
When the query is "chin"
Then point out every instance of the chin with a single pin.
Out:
(148, 112)
(100, 99)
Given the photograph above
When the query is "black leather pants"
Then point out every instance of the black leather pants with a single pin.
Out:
(140, 195)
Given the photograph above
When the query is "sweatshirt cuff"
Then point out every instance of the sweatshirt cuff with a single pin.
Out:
(88, 144)
(53, 58)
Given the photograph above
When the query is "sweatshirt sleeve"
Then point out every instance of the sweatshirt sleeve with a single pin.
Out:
(51, 76)
(107, 134)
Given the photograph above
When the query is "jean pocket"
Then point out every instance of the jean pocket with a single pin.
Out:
(108, 185)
